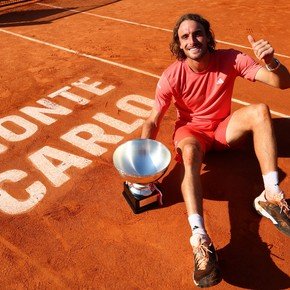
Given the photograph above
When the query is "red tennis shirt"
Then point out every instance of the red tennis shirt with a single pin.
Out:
(204, 98)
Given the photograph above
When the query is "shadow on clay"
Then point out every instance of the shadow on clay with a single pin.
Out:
(235, 176)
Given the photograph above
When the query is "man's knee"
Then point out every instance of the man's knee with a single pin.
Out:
(260, 113)
(192, 153)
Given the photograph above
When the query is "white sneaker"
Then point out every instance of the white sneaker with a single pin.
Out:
(206, 269)
(274, 207)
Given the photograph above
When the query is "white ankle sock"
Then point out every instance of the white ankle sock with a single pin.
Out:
(197, 224)
(271, 181)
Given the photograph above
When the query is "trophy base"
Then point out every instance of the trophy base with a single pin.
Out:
(141, 203)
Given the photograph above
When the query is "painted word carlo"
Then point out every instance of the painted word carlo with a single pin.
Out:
(42, 158)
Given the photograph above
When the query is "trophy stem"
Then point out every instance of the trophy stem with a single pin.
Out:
(139, 202)
(140, 189)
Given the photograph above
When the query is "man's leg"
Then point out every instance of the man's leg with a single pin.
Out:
(192, 156)
(257, 119)
(206, 271)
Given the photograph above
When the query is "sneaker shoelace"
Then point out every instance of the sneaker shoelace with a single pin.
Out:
(284, 207)
(278, 198)
(202, 256)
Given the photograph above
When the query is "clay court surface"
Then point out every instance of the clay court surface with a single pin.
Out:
(94, 68)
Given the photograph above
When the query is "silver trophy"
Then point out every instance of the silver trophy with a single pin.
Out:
(141, 162)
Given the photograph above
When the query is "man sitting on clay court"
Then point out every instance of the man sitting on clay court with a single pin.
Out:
(201, 82)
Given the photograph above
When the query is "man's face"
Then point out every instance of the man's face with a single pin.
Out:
(193, 39)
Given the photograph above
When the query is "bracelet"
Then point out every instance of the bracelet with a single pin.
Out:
(277, 62)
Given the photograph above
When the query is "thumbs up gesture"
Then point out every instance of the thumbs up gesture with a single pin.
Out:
(262, 49)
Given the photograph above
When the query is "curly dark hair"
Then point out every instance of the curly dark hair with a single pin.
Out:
(175, 43)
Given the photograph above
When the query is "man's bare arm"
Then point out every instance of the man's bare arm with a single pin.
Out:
(151, 126)
(274, 74)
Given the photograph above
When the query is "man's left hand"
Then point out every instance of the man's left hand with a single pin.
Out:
(262, 49)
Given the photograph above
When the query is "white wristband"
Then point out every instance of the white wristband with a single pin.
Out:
(277, 62)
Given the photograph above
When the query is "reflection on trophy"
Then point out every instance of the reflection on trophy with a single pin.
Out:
(141, 162)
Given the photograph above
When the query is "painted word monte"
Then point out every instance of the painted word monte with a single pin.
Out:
(51, 161)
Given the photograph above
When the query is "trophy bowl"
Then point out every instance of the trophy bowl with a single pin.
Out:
(141, 161)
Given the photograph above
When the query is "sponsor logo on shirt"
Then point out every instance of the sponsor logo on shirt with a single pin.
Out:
(220, 81)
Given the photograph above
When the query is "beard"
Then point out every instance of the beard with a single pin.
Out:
(197, 52)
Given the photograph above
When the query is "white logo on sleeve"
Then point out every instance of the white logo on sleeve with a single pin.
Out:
(220, 81)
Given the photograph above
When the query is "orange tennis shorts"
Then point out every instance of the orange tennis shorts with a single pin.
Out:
(210, 137)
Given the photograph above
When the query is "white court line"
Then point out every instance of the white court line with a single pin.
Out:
(80, 53)
(113, 63)
(147, 26)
